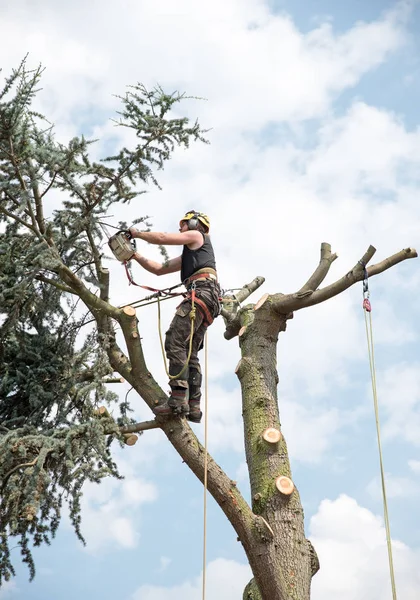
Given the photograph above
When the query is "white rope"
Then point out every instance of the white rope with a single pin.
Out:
(369, 337)
(205, 464)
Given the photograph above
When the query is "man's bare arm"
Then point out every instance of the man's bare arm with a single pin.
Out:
(186, 238)
(156, 268)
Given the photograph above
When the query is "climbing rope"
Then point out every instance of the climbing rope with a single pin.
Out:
(367, 309)
(162, 346)
(205, 463)
(157, 297)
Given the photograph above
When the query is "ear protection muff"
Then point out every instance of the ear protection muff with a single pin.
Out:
(192, 223)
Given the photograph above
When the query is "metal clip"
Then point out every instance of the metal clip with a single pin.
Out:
(366, 305)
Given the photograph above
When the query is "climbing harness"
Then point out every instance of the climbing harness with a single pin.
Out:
(123, 246)
(367, 308)
(192, 318)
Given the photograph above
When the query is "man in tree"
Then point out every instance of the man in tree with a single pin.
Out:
(197, 265)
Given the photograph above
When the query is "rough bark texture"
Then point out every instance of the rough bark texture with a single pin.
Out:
(283, 568)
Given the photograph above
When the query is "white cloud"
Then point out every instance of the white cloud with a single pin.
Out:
(111, 514)
(8, 590)
(351, 545)
(165, 561)
(300, 425)
(225, 580)
(396, 487)
(362, 148)
(414, 465)
(244, 56)
(399, 401)
(242, 473)
(350, 542)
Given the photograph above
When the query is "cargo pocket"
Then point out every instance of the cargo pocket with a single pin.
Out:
(183, 309)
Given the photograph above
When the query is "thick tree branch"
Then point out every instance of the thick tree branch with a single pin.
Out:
(223, 489)
(249, 288)
(18, 219)
(231, 304)
(321, 271)
(96, 255)
(232, 328)
(38, 199)
(92, 302)
(56, 284)
(128, 322)
(291, 302)
(24, 188)
(143, 426)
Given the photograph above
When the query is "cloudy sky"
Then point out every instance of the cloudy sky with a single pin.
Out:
(313, 110)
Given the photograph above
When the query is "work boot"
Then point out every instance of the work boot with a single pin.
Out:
(178, 400)
(195, 413)
(177, 403)
(194, 381)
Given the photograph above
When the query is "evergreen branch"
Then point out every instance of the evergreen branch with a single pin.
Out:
(49, 186)
(15, 202)
(22, 465)
(96, 255)
(95, 304)
(38, 200)
(59, 286)
(86, 264)
(24, 188)
(17, 219)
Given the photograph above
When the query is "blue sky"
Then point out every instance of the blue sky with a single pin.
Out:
(314, 115)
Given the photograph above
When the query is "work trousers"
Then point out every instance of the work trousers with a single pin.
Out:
(178, 339)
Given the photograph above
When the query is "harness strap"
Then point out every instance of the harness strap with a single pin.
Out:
(203, 306)
(201, 276)
(166, 291)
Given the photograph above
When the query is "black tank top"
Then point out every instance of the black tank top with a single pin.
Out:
(193, 260)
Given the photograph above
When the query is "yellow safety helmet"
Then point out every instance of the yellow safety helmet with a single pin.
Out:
(192, 218)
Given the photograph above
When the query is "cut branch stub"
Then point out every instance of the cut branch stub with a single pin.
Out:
(242, 330)
(261, 301)
(102, 411)
(271, 435)
(130, 439)
(129, 311)
(284, 485)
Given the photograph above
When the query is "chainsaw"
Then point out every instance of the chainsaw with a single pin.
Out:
(122, 245)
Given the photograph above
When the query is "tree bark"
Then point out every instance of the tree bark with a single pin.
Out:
(281, 562)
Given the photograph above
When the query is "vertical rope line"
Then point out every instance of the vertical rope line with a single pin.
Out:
(205, 463)
(369, 337)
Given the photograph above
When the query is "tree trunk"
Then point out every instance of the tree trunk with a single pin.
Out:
(281, 561)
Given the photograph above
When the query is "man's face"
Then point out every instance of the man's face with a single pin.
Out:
(183, 227)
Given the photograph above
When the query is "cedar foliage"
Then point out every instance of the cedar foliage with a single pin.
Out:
(52, 372)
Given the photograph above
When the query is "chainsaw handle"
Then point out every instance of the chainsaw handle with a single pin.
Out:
(126, 232)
